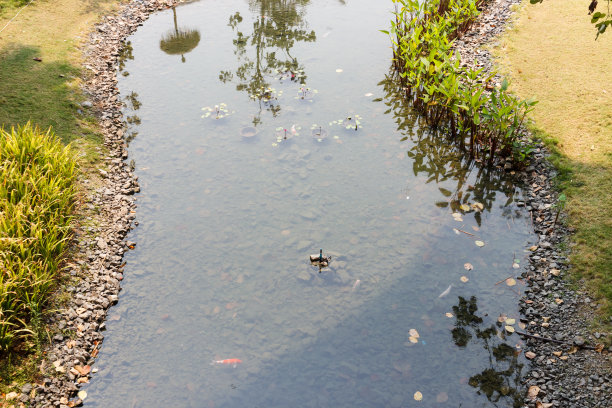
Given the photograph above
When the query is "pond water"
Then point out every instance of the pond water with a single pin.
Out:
(261, 132)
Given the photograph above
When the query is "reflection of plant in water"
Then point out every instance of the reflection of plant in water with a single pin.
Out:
(502, 378)
(442, 161)
(277, 27)
(124, 55)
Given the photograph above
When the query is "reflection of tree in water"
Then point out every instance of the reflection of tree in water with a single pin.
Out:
(434, 156)
(278, 26)
(179, 41)
(502, 378)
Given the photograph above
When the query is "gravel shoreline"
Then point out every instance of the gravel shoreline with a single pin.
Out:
(574, 378)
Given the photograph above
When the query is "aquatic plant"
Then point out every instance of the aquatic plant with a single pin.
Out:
(37, 195)
(349, 123)
(481, 116)
(318, 132)
(219, 111)
(306, 93)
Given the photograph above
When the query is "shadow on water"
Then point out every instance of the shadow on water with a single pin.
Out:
(367, 359)
(442, 161)
(278, 26)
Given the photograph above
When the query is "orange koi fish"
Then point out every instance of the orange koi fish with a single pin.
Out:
(228, 361)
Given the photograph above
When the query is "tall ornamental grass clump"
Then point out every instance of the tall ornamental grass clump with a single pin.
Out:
(484, 119)
(37, 195)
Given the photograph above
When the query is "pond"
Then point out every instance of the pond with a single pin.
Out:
(262, 132)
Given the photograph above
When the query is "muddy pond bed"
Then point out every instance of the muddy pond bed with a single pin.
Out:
(261, 132)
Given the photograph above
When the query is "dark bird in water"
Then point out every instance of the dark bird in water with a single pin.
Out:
(592, 6)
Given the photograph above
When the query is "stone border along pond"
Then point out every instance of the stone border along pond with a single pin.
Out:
(563, 372)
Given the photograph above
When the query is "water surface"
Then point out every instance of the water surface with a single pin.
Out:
(227, 223)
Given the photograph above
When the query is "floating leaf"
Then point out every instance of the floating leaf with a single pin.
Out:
(522, 325)
(516, 265)
(533, 248)
(82, 395)
(369, 94)
(449, 315)
(502, 318)
(418, 396)
(465, 207)
(339, 70)
(413, 333)
(468, 266)
(475, 228)
(509, 329)
(510, 321)
(413, 340)
(478, 206)
(510, 282)
(479, 243)
(464, 279)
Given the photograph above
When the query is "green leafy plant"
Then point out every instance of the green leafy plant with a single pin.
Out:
(37, 195)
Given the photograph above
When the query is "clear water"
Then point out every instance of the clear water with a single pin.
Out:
(227, 223)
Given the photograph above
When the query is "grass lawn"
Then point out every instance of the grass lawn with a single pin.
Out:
(551, 54)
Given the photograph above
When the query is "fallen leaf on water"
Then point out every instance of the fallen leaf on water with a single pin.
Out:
(533, 248)
(479, 243)
(413, 340)
(509, 329)
(533, 392)
(369, 94)
(442, 397)
(339, 70)
(478, 206)
(456, 231)
(82, 395)
(413, 333)
(510, 282)
(449, 315)
(475, 228)
(418, 396)
(522, 325)
(468, 266)
(464, 279)
(516, 265)
(465, 207)
(510, 321)
(501, 318)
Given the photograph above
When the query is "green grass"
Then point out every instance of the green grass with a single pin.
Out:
(566, 71)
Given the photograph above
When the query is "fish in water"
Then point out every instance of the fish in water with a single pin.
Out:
(446, 292)
(356, 285)
(228, 361)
